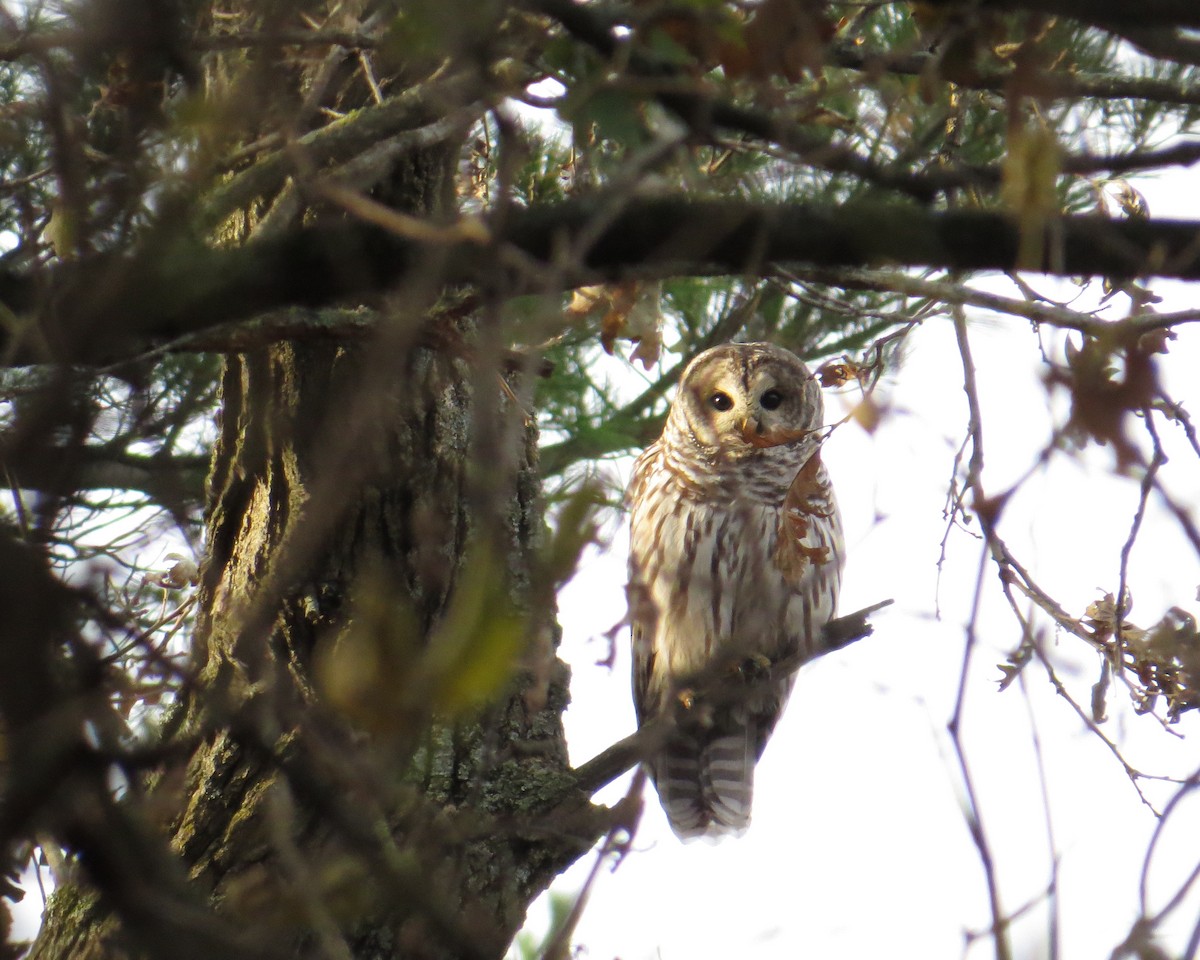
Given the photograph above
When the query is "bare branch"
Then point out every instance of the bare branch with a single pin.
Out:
(176, 480)
(715, 686)
(970, 806)
(1040, 312)
(1111, 14)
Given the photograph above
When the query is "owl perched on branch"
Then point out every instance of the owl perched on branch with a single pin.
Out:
(735, 559)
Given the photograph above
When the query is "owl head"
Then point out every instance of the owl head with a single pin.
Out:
(744, 402)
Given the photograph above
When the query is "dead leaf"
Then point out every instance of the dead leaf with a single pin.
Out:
(1101, 396)
(626, 311)
(837, 373)
(1129, 201)
(182, 573)
(1155, 341)
(867, 414)
(783, 38)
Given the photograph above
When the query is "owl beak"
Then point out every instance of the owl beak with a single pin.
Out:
(752, 433)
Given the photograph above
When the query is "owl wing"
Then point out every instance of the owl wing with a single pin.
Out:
(808, 554)
(643, 613)
(809, 545)
(702, 771)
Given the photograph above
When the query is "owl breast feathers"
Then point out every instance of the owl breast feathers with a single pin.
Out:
(735, 556)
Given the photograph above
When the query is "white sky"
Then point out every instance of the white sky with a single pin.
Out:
(859, 847)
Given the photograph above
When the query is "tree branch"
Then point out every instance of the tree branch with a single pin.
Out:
(414, 118)
(703, 110)
(1110, 14)
(177, 480)
(1049, 83)
(714, 686)
(1161, 28)
(111, 307)
(894, 281)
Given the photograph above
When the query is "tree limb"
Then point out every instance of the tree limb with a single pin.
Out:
(1110, 14)
(111, 307)
(412, 116)
(704, 111)
(177, 479)
(895, 281)
(714, 686)
(1049, 83)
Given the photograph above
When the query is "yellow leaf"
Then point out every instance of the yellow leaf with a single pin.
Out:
(575, 528)
(475, 649)
(1029, 189)
(367, 673)
(61, 231)
(867, 414)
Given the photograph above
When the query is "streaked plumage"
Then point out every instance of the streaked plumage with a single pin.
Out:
(735, 554)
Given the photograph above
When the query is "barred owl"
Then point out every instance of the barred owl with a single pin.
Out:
(735, 558)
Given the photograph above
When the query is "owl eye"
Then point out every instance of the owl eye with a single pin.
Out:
(721, 401)
(770, 400)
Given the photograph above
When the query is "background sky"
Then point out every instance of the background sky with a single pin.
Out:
(859, 845)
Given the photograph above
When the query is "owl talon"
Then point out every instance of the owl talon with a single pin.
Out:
(756, 666)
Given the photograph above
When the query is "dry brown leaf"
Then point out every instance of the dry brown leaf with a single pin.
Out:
(626, 311)
(837, 373)
(1101, 399)
(783, 38)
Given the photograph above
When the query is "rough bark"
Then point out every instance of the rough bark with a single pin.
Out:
(307, 515)
(330, 501)
(341, 487)
(368, 759)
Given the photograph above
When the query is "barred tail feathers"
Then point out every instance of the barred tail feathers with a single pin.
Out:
(727, 779)
(705, 781)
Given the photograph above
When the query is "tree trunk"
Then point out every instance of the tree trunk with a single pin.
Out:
(369, 759)
(344, 525)
(355, 533)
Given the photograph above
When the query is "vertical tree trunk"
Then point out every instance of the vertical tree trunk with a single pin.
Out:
(343, 517)
(363, 524)
(357, 771)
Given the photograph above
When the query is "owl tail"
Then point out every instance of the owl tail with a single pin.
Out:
(705, 781)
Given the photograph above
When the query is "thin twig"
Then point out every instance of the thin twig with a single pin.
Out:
(1123, 599)
(1053, 934)
(616, 844)
(1000, 939)
(1049, 84)
(1133, 774)
(1041, 312)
